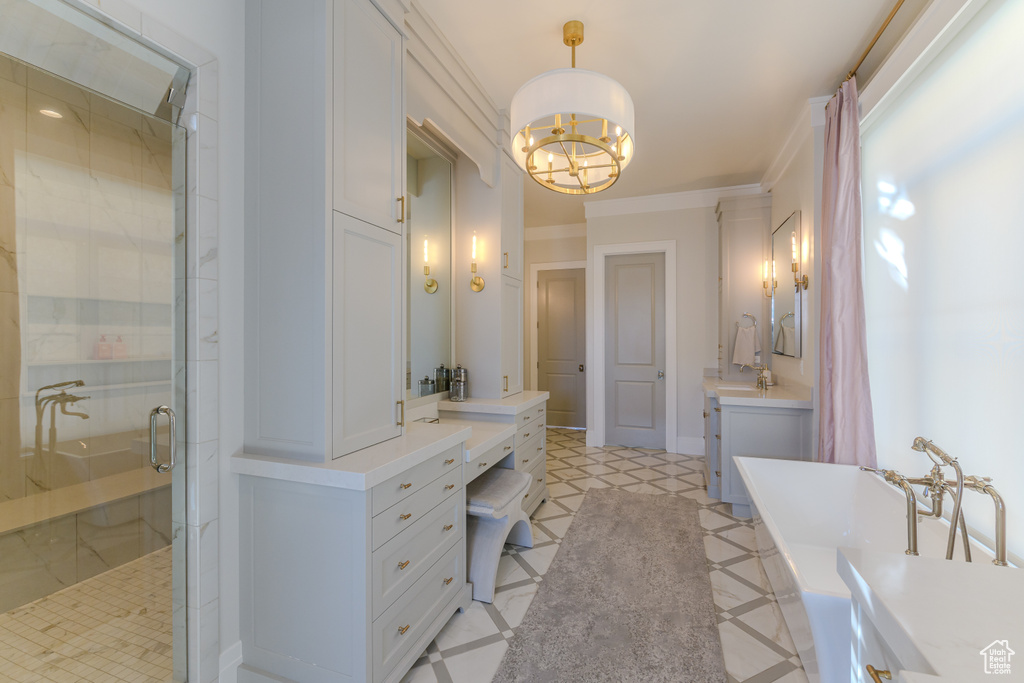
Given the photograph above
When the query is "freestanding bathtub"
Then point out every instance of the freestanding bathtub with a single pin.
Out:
(803, 512)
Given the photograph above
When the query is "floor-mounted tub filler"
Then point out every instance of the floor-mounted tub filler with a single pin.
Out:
(798, 535)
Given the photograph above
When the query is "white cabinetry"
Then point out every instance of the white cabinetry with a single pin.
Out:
(369, 119)
(323, 303)
(712, 446)
(367, 348)
(511, 336)
(511, 218)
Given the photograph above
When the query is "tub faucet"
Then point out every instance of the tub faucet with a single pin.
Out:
(981, 485)
(940, 458)
(901, 482)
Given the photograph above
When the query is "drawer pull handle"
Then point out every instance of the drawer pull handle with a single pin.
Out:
(877, 675)
(718, 410)
(527, 435)
(540, 448)
(403, 629)
(540, 410)
(483, 464)
(449, 487)
(448, 527)
(526, 461)
(705, 413)
(540, 480)
(508, 448)
(526, 496)
(718, 436)
(405, 516)
(449, 462)
(404, 486)
(449, 580)
(403, 565)
(718, 473)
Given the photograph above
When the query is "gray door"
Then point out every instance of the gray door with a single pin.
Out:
(635, 350)
(562, 345)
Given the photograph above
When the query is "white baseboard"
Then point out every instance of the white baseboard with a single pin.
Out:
(230, 660)
(690, 445)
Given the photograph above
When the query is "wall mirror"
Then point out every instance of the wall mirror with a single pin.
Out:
(786, 320)
(429, 247)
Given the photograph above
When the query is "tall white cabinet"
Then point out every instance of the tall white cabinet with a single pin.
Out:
(324, 223)
(489, 327)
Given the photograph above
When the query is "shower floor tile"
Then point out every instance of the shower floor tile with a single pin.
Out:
(115, 626)
(755, 641)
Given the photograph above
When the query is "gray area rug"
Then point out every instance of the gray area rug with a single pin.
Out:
(627, 598)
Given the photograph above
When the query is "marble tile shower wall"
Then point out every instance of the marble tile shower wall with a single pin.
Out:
(95, 241)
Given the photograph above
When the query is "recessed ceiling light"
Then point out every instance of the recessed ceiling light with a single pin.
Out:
(51, 113)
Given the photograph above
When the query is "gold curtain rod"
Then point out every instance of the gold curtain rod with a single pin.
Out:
(874, 40)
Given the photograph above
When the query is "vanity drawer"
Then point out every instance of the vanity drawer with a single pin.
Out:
(526, 417)
(402, 486)
(398, 629)
(490, 457)
(538, 480)
(405, 514)
(530, 452)
(533, 429)
(403, 559)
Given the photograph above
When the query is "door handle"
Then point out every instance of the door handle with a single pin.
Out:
(154, 415)
(661, 374)
(581, 367)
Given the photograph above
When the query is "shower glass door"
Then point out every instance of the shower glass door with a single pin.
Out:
(92, 376)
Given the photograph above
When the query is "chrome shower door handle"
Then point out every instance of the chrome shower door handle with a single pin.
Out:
(154, 415)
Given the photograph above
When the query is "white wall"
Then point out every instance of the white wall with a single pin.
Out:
(695, 233)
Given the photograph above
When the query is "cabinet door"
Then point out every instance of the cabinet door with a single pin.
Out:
(369, 118)
(367, 324)
(511, 219)
(511, 336)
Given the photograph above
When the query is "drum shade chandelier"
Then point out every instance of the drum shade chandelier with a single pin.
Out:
(573, 127)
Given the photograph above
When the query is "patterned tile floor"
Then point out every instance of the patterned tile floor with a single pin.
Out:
(113, 627)
(755, 640)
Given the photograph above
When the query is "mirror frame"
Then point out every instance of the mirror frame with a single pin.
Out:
(786, 276)
(438, 146)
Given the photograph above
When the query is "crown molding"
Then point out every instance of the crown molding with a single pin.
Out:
(674, 201)
(811, 116)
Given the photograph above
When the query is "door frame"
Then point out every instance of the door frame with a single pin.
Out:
(535, 269)
(596, 346)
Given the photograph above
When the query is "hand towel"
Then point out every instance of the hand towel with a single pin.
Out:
(747, 348)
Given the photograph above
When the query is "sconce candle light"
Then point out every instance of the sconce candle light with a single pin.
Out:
(796, 263)
(430, 284)
(477, 283)
(764, 279)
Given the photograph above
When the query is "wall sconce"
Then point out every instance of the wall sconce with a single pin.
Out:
(430, 284)
(796, 263)
(477, 283)
(764, 280)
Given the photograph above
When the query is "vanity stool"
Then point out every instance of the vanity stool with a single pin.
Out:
(494, 513)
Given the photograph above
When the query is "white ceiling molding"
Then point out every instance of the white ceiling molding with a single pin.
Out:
(555, 232)
(674, 201)
(440, 87)
(934, 28)
(812, 115)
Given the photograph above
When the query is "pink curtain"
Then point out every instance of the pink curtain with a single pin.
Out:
(847, 432)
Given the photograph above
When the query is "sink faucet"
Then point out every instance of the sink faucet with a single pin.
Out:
(760, 370)
(901, 482)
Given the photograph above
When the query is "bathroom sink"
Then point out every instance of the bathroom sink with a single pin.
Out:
(736, 387)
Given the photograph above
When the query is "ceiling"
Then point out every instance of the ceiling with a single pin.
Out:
(717, 84)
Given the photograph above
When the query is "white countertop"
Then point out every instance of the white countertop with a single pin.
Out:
(486, 435)
(513, 405)
(363, 469)
(944, 611)
(778, 396)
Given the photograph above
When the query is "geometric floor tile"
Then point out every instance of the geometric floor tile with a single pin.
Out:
(755, 641)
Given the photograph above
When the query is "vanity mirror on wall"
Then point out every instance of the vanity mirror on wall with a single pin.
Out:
(429, 246)
(786, 318)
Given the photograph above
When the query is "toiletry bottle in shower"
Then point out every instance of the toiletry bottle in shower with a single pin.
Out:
(104, 349)
(120, 348)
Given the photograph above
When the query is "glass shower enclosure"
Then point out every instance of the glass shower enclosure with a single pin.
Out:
(92, 354)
